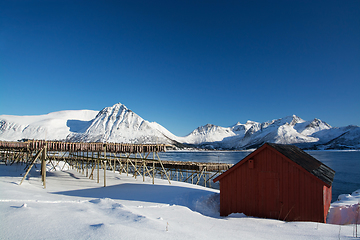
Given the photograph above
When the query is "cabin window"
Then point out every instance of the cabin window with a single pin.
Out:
(251, 163)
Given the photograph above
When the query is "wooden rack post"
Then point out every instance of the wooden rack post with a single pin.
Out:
(105, 173)
(98, 170)
(31, 165)
(43, 167)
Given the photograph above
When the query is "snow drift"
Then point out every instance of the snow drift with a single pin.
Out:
(346, 210)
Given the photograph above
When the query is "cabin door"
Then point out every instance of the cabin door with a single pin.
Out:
(269, 191)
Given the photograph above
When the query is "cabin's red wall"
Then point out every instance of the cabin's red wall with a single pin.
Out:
(327, 191)
(274, 188)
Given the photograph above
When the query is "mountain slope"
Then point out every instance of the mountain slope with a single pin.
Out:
(208, 133)
(350, 138)
(52, 126)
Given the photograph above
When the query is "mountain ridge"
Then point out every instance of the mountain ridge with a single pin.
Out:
(120, 124)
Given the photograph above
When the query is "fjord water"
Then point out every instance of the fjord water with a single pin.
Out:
(345, 163)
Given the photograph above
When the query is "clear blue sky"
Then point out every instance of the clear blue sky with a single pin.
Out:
(183, 64)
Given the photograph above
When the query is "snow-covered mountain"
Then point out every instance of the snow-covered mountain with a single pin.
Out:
(120, 124)
(314, 134)
(56, 125)
(208, 133)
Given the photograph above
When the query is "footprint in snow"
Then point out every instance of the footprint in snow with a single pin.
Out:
(22, 206)
(96, 226)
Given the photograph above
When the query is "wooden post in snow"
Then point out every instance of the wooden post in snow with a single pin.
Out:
(127, 166)
(153, 173)
(114, 163)
(93, 165)
(105, 165)
(82, 162)
(105, 173)
(98, 170)
(43, 167)
(87, 163)
(144, 171)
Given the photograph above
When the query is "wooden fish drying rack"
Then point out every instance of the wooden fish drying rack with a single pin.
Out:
(88, 158)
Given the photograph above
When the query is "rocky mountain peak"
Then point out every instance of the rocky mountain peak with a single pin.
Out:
(316, 123)
(114, 110)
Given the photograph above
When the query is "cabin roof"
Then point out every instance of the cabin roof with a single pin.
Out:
(305, 160)
(298, 156)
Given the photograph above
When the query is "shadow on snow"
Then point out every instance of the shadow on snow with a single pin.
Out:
(203, 201)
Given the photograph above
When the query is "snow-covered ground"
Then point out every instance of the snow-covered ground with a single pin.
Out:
(75, 207)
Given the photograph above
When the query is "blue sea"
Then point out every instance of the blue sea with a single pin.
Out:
(345, 163)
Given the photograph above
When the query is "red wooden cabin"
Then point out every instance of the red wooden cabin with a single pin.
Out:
(277, 181)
